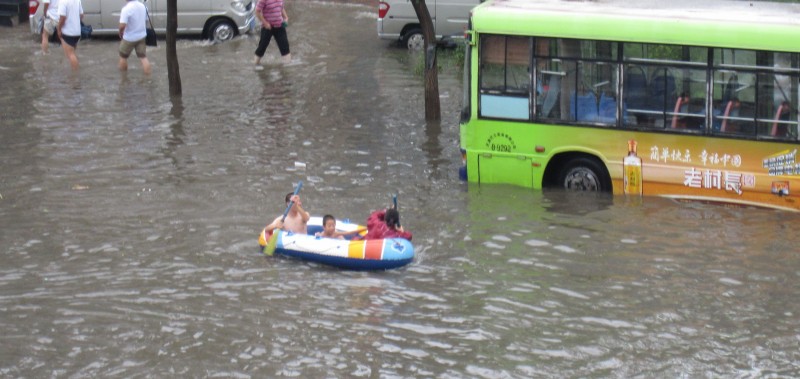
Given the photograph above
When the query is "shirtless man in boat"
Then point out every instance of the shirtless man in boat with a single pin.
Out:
(296, 220)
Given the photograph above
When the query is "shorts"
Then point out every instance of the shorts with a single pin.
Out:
(50, 26)
(71, 40)
(125, 48)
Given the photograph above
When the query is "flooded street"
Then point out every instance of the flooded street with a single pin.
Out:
(129, 223)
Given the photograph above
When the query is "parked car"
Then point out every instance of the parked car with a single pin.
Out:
(14, 10)
(398, 21)
(217, 20)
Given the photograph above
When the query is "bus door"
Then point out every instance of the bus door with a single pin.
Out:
(505, 168)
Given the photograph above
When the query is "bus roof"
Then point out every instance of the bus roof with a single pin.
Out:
(714, 23)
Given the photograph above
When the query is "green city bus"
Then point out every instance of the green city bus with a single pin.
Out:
(693, 100)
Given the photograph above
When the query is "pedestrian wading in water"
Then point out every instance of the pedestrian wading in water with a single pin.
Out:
(273, 18)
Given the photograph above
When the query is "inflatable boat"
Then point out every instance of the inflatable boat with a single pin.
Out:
(353, 254)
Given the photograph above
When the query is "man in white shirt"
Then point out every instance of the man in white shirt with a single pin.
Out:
(70, 15)
(132, 32)
(49, 22)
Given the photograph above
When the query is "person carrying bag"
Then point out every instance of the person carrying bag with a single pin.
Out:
(133, 34)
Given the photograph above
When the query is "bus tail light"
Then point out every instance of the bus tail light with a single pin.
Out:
(383, 9)
(33, 6)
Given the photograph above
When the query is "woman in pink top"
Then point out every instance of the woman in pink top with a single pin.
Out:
(273, 18)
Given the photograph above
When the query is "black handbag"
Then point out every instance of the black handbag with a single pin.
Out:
(86, 31)
(150, 39)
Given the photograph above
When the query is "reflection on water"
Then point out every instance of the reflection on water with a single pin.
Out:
(128, 221)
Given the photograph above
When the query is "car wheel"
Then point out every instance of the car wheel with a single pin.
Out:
(414, 40)
(584, 174)
(221, 30)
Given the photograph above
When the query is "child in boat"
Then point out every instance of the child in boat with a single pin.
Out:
(385, 224)
(329, 229)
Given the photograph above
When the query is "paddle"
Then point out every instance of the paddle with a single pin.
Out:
(394, 200)
(273, 239)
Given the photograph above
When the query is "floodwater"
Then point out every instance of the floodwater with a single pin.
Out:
(128, 225)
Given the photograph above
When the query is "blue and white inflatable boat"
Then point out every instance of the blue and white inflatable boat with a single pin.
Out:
(353, 254)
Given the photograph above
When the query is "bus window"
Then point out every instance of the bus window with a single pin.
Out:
(755, 93)
(734, 102)
(594, 97)
(576, 49)
(665, 86)
(635, 91)
(671, 54)
(688, 111)
(550, 75)
(504, 77)
(777, 112)
(548, 80)
(567, 48)
(735, 59)
(493, 62)
(660, 95)
(578, 80)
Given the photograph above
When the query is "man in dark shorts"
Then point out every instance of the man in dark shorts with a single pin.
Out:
(70, 15)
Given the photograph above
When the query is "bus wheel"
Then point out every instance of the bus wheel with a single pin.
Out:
(584, 174)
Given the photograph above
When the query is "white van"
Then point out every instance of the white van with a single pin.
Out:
(217, 20)
(398, 21)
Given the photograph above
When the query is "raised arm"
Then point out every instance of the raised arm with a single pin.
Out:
(275, 224)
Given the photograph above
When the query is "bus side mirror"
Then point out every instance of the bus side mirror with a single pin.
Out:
(469, 36)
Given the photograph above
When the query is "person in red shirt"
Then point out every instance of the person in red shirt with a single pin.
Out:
(385, 224)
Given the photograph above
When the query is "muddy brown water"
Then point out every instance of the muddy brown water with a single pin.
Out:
(128, 226)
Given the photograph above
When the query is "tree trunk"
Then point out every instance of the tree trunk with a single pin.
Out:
(432, 107)
(173, 71)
